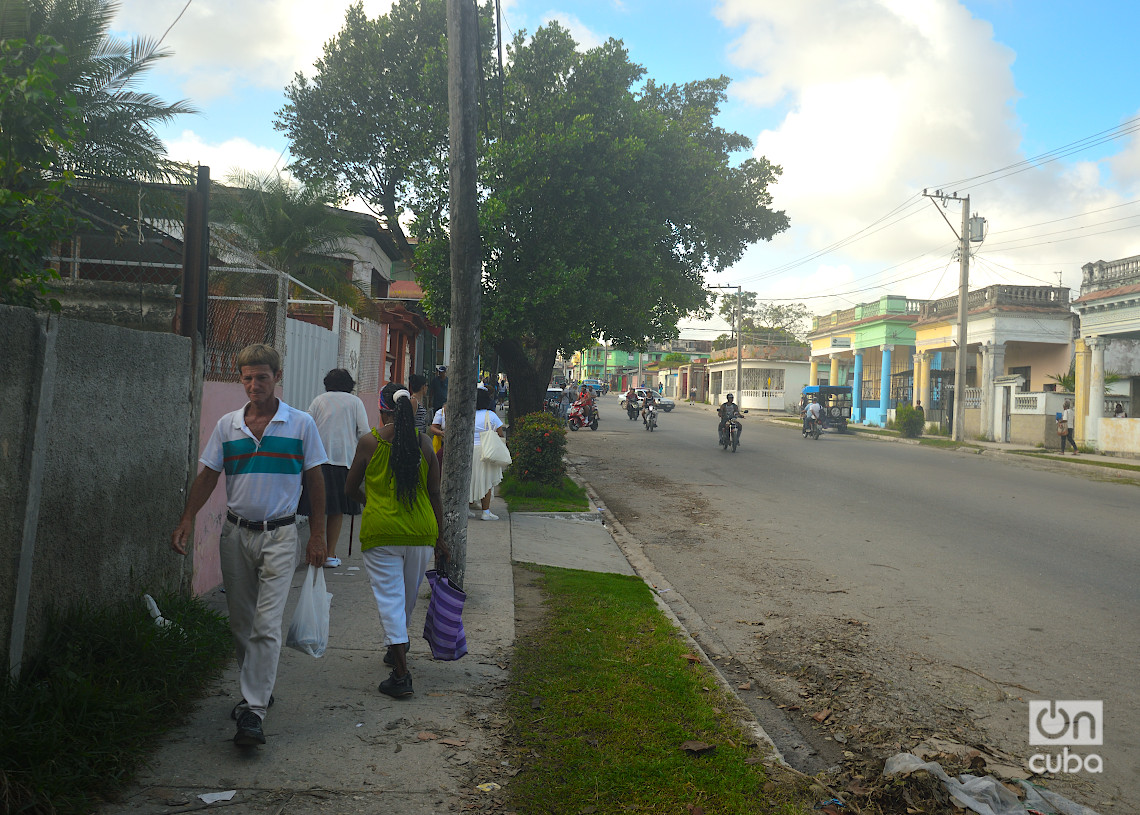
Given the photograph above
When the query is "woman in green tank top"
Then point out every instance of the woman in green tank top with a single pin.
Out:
(395, 474)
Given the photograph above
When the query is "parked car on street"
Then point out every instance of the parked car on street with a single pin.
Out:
(663, 402)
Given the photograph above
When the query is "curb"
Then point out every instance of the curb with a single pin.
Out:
(643, 567)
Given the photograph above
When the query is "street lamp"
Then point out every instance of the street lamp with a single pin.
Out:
(739, 341)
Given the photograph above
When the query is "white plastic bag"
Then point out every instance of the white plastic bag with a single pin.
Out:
(309, 631)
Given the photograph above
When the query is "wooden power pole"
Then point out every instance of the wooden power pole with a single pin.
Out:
(466, 268)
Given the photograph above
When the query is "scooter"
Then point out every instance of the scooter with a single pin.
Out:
(812, 429)
(650, 420)
(631, 408)
(580, 416)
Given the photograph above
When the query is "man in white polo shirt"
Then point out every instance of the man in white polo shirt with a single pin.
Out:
(265, 449)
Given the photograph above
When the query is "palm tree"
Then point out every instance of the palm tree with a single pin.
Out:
(291, 227)
(1067, 383)
(103, 72)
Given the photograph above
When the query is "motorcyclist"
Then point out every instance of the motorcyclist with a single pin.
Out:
(811, 412)
(650, 399)
(728, 410)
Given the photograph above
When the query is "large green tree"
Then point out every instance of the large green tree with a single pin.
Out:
(373, 117)
(763, 323)
(607, 202)
(102, 73)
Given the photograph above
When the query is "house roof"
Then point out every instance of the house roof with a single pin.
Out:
(1104, 294)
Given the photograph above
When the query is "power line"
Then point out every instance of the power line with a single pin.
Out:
(1101, 137)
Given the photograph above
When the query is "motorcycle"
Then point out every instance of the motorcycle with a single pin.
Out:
(631, 408)
(730, 435)
(581, 415)
(812, 428)
(650, 420)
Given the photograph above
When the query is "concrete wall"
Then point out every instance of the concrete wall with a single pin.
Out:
(1042, 360)
(1119, 436)
(1034, 429)
(114, 455)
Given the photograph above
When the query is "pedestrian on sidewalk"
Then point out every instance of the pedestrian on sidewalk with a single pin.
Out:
(438, 424)
(484, 474)
(396, 474)
(417, 384)
(1065, 427)
(266, 448)
(438, 387)
(341, 420)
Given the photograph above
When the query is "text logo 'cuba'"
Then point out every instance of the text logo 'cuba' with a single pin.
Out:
(1066, 722)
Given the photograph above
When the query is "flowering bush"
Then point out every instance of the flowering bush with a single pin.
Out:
(537, 443)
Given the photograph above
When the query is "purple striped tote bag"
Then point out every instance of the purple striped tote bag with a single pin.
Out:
(443, 628)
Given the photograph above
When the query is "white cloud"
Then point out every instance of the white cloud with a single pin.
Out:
(581, 33)
(225, 157)
(219, 44)
(881, 103)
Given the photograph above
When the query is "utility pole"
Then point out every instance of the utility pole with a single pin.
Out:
(605, 362)
(466, 265)
(963, 311)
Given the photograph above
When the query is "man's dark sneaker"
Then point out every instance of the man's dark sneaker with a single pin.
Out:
(389, 660)
(397, 686)
(249, 733)
(242, 705)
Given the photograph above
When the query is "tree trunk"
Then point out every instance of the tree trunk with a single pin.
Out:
(528, 372)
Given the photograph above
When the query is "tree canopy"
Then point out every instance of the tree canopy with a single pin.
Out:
(102, 72)
(764, 323)
(373, 117)
(606, 205)
(39, 121)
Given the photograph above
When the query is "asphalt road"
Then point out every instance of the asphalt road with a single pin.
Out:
(988, 579)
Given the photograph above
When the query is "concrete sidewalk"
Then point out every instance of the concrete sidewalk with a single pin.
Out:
(335, 744)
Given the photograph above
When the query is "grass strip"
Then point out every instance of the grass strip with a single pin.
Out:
(531, 496)
(1111, 465)
(104, 684)
(602, 698)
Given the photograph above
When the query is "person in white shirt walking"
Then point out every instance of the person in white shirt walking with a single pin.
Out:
(341, 420)
(266, 448)
(1068, 416)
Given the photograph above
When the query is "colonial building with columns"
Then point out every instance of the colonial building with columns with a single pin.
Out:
(1017, 338)
(870, 347)
(1109, 342)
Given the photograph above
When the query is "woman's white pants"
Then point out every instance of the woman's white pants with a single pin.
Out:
(396, 573)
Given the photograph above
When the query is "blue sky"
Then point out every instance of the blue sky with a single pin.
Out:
(862, 102)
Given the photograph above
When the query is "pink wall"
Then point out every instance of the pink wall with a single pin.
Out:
(218, 399)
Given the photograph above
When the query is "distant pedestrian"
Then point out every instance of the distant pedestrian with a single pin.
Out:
(1065, 427)
(484, 474)
(265, 448)
(438, 387)
(436, 430)
(417, 384)
(341, 420)
(692, 395)
(1118, 412)
(921, 412)
(564, 402)
(396, 475)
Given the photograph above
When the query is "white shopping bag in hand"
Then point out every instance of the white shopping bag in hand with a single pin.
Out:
(309, 631)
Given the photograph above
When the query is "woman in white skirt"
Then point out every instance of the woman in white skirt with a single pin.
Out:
(484, 475)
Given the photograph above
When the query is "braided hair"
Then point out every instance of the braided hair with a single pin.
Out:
(404, 463)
